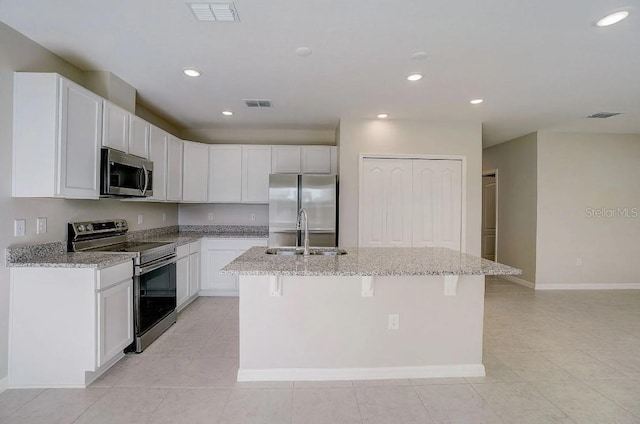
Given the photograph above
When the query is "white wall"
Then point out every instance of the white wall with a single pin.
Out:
(408, 137)
(223, 214)
(577, 171)
(18, 53)
(516, 163)
(260, 136)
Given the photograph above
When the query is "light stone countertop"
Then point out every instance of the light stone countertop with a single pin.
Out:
(98, 260)
(369, 261)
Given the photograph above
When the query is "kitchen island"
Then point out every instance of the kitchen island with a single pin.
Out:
(374, 313)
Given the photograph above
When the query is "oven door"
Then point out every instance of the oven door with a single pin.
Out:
(154, 295)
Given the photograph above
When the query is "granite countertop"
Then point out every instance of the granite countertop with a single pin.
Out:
(96, 260)
(369, 261)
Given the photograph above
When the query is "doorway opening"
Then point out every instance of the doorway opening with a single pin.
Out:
(489, 248)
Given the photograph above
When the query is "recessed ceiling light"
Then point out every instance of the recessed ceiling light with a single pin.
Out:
(476, 101)
(192, 72)
(383, 115)
(414, 77)
(227, 113)
(613, 18)
(303, 51)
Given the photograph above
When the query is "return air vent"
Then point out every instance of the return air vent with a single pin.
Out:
(215, 12)
(603, 115)
(257, 103)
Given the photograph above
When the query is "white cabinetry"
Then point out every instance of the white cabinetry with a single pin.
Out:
(217, 253)
(256, 167)
(174, 169)
(187, 274)
(411, 203)
(57, 133)
(195, 172)
(316, 159)
(158, 155)
(68, 325)
(225, 174)
(115, 130)
(285, 160)
(138, 136)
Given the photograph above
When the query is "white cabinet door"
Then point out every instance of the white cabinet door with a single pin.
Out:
(195, 172)
(437, 203)
(115, 323)
(138, 137)
(256, 167)
(158, 155)
(174, 169)
(194, 274)
(217, 259)
(386, 203)
(285, 160)
(115, 131)
(225, 174)
(316, 159)
(79, 144)
(182, 281)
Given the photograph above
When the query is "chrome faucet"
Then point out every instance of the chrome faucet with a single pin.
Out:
(301, 214)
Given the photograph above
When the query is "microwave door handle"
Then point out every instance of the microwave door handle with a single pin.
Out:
(146, 179)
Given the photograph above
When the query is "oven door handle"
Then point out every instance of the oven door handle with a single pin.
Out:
(152, 267)
(146, 179)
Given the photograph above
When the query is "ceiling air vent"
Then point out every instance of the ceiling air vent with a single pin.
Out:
(603, 115)
(257, 102)
(215, 12)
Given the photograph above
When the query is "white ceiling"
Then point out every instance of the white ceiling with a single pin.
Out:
(538, 64)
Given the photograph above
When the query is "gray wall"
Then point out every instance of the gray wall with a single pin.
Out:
(223, 214)
(577, 171)
(407, 137)
(516, 163)
(18, 53)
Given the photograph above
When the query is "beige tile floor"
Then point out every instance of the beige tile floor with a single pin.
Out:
(551, 357)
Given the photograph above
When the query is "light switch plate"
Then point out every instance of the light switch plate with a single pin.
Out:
(140, 219)
(19, 227)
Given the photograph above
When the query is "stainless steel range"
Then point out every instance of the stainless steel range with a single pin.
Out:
(154, 266)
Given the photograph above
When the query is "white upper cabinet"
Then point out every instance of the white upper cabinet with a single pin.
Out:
(195, 172)
(158, 155)
(174, 169)
(316, 159)
(256, 167)
(225, 174)
(138, 137)
(57, 133)
(285, 160)
(115, 130)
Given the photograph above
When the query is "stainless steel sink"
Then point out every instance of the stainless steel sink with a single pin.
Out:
(284, 251)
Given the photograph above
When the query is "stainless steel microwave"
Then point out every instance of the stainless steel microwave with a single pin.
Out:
(124, 175)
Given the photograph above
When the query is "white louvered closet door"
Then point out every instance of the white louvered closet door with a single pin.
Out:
(387, 199)
(437, 203)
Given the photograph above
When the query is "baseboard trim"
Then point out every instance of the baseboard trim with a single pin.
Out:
(519, 281)
(589, 286)
(325, 374)
(4, 383)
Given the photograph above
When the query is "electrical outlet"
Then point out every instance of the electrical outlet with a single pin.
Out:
(210, 216)
(164, 217)
(253, 216)
(41, 225)
(394, 321)
(140, 219)
(579, 262)
(19, 227)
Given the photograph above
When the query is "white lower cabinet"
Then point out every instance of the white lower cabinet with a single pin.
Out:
(68, 325)
(187, 274)
(216, 254)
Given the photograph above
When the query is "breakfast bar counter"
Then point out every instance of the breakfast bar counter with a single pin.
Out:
(372, 313)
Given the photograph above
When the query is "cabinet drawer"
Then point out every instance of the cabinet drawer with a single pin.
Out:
(109, 276)
(182, 251)
(235, 244)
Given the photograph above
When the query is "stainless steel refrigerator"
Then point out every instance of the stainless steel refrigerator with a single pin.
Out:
(317, 194)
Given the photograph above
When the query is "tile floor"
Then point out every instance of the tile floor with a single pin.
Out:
(551, 357)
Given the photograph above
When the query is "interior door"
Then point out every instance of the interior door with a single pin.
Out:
(489, 221)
